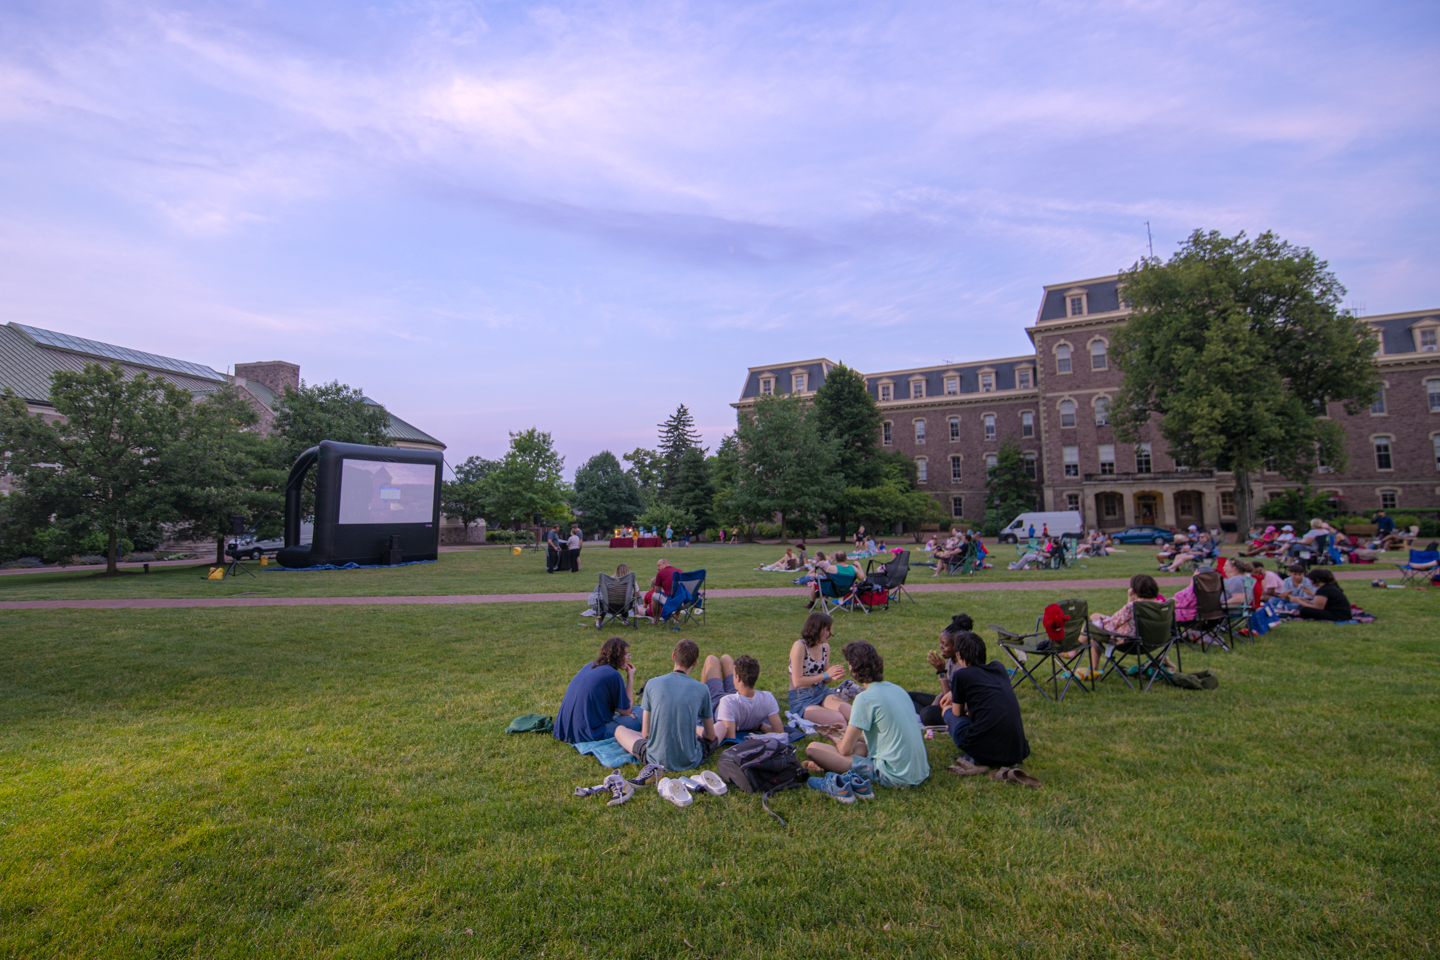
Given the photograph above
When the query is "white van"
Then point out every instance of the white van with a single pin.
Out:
(1060, 523)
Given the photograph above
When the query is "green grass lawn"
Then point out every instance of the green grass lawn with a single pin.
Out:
(495, 570)
(334, 782)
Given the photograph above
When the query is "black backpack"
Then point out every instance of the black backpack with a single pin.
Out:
(762, 766)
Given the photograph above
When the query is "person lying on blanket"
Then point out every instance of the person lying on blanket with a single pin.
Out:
(597, 702)
(672, 707)
(787, 562)
(746, 708)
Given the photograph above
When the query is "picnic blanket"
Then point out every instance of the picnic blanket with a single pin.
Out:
(350, 566)
(792, 734)
(607, 752)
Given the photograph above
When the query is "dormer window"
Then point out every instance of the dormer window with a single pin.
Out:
(917, 388)
(1022, 378)
(767, 386)
(798, 382)
(887, 392)
(1075, 305)
(1428, 340)
(952, 386)
(987, 381)
(1427, 335)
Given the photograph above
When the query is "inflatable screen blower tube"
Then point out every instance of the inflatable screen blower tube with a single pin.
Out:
(373, 505)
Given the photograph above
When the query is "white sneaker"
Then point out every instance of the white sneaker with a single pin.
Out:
(588, 613)
(675, 792)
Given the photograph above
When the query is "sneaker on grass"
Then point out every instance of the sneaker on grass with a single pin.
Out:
(650, 773)
(859, 786)
(832, 784)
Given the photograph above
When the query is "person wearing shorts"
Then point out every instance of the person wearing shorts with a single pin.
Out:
(882, 742)
(747, 709)
(674, 706)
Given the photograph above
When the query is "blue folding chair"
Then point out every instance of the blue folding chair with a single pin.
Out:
(1421, 567)
(840, 592)
(687, 599)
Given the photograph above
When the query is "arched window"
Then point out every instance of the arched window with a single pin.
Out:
(1027, 424)
(919, 431)
(1382, 454)
(1067, 413)
(989, 426)
(1062, 358)
(1098, 359)
(921, 470)
(955, 469)
(1102, 411)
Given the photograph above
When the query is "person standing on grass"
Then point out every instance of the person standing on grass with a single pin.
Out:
(574, 545)
(892, 753)
(672, 707)
(980, 706)
(598, 700)
(746, 708)
(552, 549)
(809, 695)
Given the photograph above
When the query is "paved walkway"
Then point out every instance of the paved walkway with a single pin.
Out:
(160, 603)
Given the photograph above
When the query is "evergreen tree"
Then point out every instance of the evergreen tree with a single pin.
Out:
(645, 470)
(1010, 491)
(677, 434)
(1234, 350)
(845, 410)
(606, 496)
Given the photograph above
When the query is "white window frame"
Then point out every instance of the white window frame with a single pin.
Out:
(1103, 450)
(1378, 406)
(922, 470)
(954, 429)
(989, 421)
(952, 380)
(1027, 423)
(1103, 356)
(1071, 457)
(767, 386)
(1024, 378)
(1393, 499)
(1102, 411)
(987, 381)
(1388, 442)
(1064, 414)
(887, 392)
(1072, 501)
(992, 460)
(957, 473)
(1432, 394)
(887, 433)
(917, 388)
(919, 424)
(1145, 451)
(957, 507)
(799, 382)
(1064, 356)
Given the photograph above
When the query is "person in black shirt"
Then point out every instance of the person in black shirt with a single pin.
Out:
(980, 708)
(1330, 603)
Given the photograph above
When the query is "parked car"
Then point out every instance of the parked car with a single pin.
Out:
(253, 549)
(1143, 535)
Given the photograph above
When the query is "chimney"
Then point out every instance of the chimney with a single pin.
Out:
(275, 374)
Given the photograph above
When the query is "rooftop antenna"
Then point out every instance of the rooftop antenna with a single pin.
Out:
(1149, 240)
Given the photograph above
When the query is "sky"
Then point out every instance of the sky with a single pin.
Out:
(493, 216)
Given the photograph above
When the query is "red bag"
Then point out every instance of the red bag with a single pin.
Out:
(874, 598)
(1054, 622)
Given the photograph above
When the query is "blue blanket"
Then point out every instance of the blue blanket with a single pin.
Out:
(352, 566)
(608, 752)
(794, 732)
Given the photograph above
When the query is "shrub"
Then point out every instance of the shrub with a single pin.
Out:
(24, 563)
(1430, 529)
(1405, 521)
(87, 559)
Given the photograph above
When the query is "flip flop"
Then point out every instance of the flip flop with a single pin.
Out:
(964, 768)
(1014, 775)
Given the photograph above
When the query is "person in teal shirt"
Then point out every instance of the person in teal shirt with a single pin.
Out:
(677, 729)
(893, 751)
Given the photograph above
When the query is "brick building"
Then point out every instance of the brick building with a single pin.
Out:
(1054, 402)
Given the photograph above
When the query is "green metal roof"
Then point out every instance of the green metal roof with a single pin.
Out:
(27, 363)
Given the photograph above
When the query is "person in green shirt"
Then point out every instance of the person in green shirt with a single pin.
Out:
(893, 751)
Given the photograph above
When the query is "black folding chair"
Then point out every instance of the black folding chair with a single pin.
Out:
(891, 579)
(1211, 626)
(1152, 641)
(1021, 647)
(616, 601)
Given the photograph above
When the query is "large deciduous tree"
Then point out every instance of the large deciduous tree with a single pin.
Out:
(646, 469)
(106, 464)
(1234, 350)
(845, 411)
(528, 481)
(786, 466)
(464, 498)
(329, 411)
(606, 496)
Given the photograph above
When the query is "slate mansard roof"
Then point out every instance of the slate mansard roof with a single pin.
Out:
(30, 355)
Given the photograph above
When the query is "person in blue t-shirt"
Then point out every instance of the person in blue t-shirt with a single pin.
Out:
(598, 701)
(673, 706)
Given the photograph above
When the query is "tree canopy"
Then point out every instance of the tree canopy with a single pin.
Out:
(1009, 489)
(330, 411)
(528, 481)
(465, 497)
(646, 468)
(1234, 350)
(845, 410)
(785, 465)
(606, 496)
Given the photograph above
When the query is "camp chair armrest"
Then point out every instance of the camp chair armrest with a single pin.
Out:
(1009, 637)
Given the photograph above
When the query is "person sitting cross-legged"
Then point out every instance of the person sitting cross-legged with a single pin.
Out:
(673, 706)
(981, 708)
(746, 709)
(598, 700)
(892, 753)
(1329, 602)
(810, 696)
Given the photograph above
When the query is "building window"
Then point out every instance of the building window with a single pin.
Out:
(1227, 503)
(1062, 358)
(954, 428)
(1030, 465)
(886, 433)
(987, 383)
(1102, 411)
(1382, 454)
(1432, 390)
(887, 392)
(797, 382)
(1072, 501)
(1067, 413)
(919, 431)
(1142, 458)
(922, 470)
(1022, 378)
(1072, 461)
(767, 387)
(992, 460)
(1436, 441)
(1098, 359)
(917, 389)
(1389, 499)
(1110, 505)
(1077, 306)
(1107, 458)
(1027, 424)
(989, 426)
(1378, 405)
(955, 469)
(1428, 340)
(957, 506)
(952, 386)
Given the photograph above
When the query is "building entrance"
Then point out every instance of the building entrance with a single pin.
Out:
(1147, 509)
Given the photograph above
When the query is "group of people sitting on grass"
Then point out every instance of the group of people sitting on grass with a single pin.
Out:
(875, 728)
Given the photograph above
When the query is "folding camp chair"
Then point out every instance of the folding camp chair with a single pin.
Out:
(1021, 647)
(1413, 569)
(1153, 639)
(891, 581)
(1211, 626)
(840, 591)
(687, 599)
(616, 601)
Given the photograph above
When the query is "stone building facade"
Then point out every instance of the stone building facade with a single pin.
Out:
(1054, 402)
